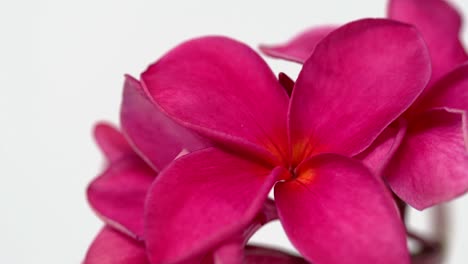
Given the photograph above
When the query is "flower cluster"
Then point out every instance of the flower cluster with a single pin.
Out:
(375, 121)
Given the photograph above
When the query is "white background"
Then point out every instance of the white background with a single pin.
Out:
(61, 70)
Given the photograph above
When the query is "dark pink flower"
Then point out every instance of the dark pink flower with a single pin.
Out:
(118, 196)
(358, 81)
(431, 163)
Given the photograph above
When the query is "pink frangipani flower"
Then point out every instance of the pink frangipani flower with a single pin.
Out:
(118, 196)
(359, 80)
(431, 164)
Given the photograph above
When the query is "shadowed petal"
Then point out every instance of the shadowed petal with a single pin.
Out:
(111, 142)
(359, 79)
(450, 91)
(111, 247)
(217, 196)
(155, 136)
(224, 90)
(230, 252)
(300, 47)
(336, 211)
(440, 26)
(286, 82)
(118, 194)
(263, 255)
(378, 155)
(431, 165)
(269, 212)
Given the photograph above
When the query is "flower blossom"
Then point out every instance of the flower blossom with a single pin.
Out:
(359, 79)
(431, 164)
(118, 196)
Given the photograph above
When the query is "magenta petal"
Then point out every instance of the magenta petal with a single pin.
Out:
(360, 78)
(224, 90)
(450, 91)
(440, 26)
(378, 155)
(300, 47)
(251, 254)
(269, 212)
(230, 252)
(111, 142)
(217, 196)
(118, 194)
(264, 255)
(336, 211)
(111, 247)
(286, 82)
(157, 138)
(431, 165)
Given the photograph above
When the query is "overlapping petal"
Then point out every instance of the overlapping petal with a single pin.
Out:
(359, 79)
(202, 199)
(450, 91)
(299, 48)
(439, 24)
(118, 194)
(234, 250)
(263, 255)
(286, 82)
(431, 165)
(230, 252)
(155, 136)
(112, 247)
(223, 90)
(254, 254)
(336, 211)
(111, 142)
(378, 155)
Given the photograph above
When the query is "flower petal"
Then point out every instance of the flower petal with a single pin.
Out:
(111, 247)
(431, 165)
(118, 194)
(440, 26)
(300, 47)
(263, 255)
(359, 79)
(155, 136)
(218, 195)
(268, 213)
(336, 211)
(450, 91)
(286, 82)
(230, 252)
(224, 90)
(111, 142)
(378, 155)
